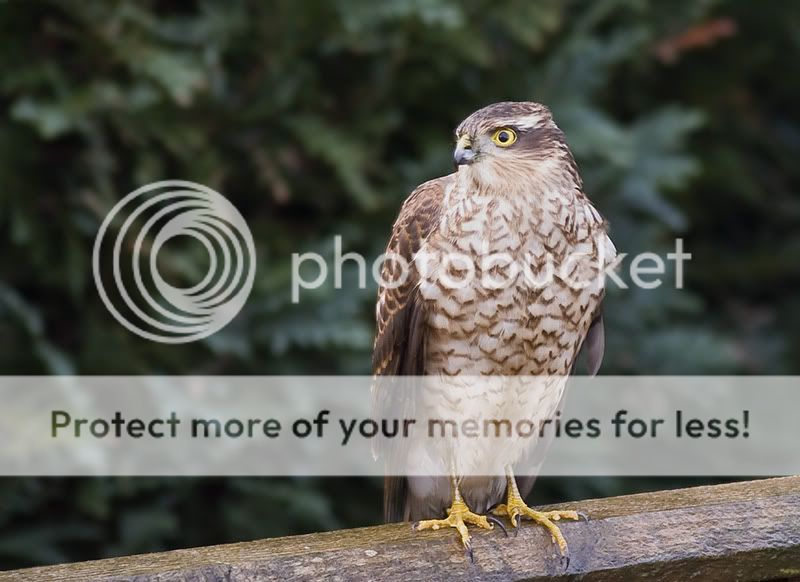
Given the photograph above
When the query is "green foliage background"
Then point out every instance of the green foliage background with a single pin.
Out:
(317, 118)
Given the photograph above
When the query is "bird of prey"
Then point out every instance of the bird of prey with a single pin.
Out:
(516, 192)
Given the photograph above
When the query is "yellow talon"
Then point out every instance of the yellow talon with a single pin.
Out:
(458, 516)
(544, 518)
(516, 507)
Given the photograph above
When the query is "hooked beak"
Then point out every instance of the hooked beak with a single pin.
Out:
(464, 154)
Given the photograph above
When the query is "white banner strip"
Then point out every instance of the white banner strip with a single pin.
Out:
(336, 426)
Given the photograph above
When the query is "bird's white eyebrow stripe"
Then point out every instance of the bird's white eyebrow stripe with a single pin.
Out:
(528, 121)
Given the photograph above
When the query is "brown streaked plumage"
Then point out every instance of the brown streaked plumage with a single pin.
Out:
(524, 200)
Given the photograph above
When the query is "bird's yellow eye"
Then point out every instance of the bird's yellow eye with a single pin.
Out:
(504, 137)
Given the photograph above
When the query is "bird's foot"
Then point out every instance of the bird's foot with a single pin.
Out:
(516, 508)
(458, 516)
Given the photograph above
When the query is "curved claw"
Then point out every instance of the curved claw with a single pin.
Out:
(497, 522)
(582, 515)
(470, 554)
(517, 519)
(565, 560)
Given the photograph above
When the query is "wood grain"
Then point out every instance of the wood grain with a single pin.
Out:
(742, 531)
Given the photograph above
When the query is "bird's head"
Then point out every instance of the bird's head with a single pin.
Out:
(511, 143)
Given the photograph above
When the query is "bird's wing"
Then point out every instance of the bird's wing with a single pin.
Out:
(401, 332)
(595, 344)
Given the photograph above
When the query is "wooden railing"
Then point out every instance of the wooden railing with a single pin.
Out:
(742, 531)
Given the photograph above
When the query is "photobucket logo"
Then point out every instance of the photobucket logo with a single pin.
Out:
(594, 267)
(137, 230)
